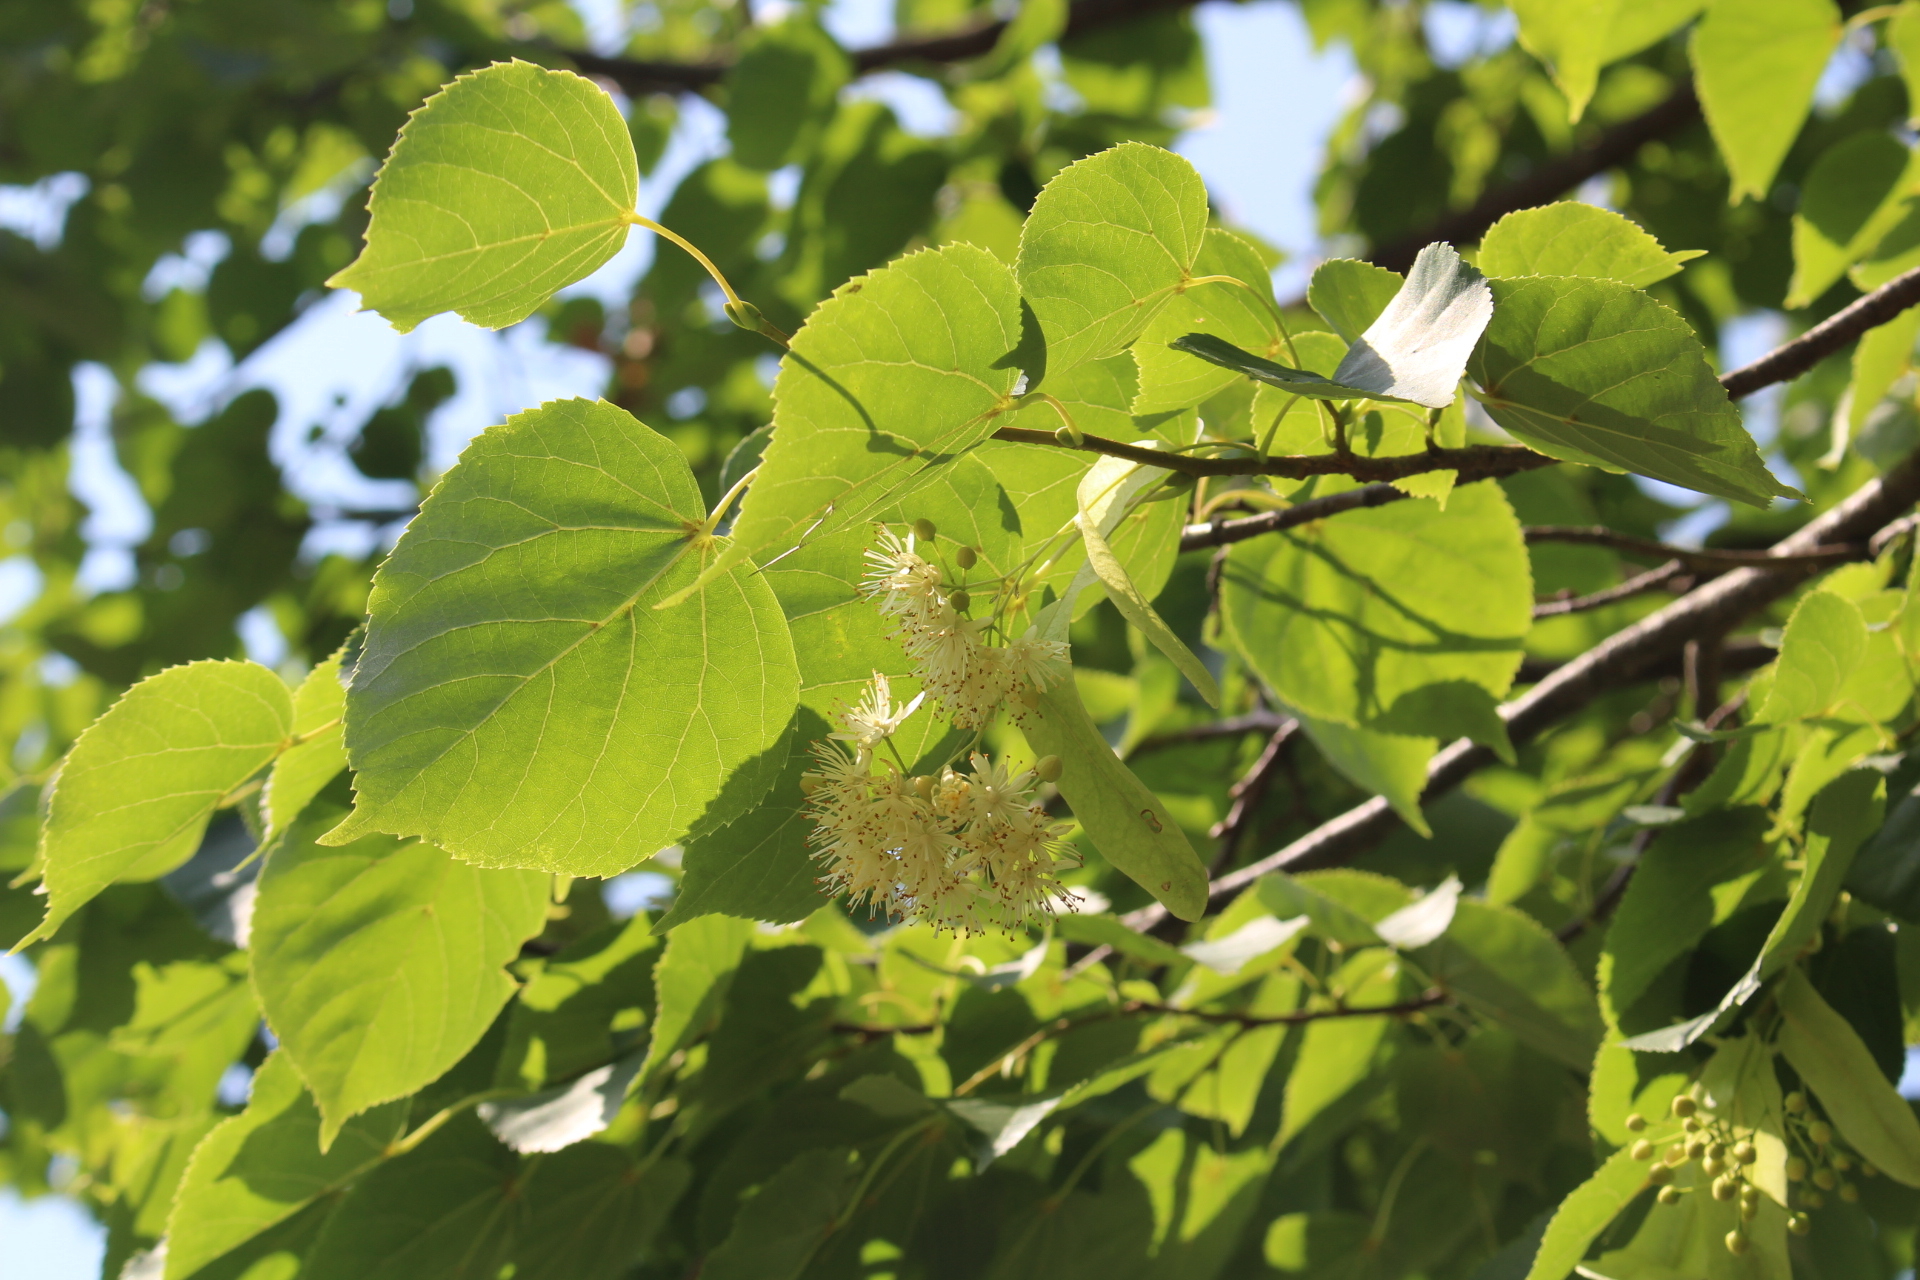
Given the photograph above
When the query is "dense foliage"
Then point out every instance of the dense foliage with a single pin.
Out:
(1159, 779)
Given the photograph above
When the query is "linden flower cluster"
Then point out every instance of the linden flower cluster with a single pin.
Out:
(967, 852)
(967, 677)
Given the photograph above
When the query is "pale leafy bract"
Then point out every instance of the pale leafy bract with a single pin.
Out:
(1109, 240)
(898, 371)
(1828, 1054)
(1756, 64)
(1127, 823)
(1596, 372)
(519, 701)
(380, 964)
(319, 751)
(509, 184)
(136, 791)
(1418, 347)
(263, 1166)
(1574, 239)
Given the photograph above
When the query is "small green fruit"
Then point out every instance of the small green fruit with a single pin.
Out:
(1796, 1169)
(1744, 1152)
(1725, 1189)
(1047, 769)
(1684, 1106)
(1821, 1132)
(966, 557)
(961, 601)
(1636, 1123)
(1643, 1150)
(1669, 1195)
(925, 530)
(1737, 1242)
(1796, 1102)
(1799, 1224)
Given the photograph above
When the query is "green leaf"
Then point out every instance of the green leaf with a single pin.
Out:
(1109, 240)
(1829, 1055)
(1576, 38)
(1125, 820)
(898, 371)
(1668, 905)
(1886, 872)
(1756, 63)
(519, 701)
(263, 1166)
(319, 751)
(1550, 371)
(781, 89)
(1341, 905)
(507, 185)
(1336, 1054)
(1297, 382)
(1350, 295)
(691, 982)
(1391, 765)
(461, 1207)
(1038, 23)
(776, 1234)
(1855, 193)
(1845, 813)
(1825, 640)
(1584, 1214)
(562, 1023)
(1880, 359)
(1242, 314)
(134, 795)
(1574, 239)
(1349, 619)
(380, 964)
(1504, 965)
(1105, 930)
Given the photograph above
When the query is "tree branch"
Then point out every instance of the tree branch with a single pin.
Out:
(1712, 608)
(1613, 146)
(1651, 580)
(1247, 794)
(1477, 461)
(1791, 359)
(1699, 558)
(1232, 727)
(638, 76)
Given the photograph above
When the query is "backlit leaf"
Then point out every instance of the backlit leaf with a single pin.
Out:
(380, 963)
(1583, 1215)
(1574, 239)
(1829, 1055)
(1240, 313)
(1854, 195)
(1756, 63)
(1597, 372)
(1109, 240)
(781, 88)
(519, 701)
(1825, 640)
(507, 185)
(135, 793)
(319, 752)
(1350, 295)
(1504, 965)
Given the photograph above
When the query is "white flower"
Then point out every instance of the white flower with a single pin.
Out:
(876, 718)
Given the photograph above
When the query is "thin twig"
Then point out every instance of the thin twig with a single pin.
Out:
(1696, 557)
(1232, 727)
(1639, 584)
(1474, 462)
(1248, 794)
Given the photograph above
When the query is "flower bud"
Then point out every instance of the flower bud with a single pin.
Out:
(1636, 1123)
(1669, 1195)
(1749, 1209)
(966, 557)
(1676, 1156)
(1717, 1150)
(1660, 1175)
(960, 600)
(925, 530)
(1796, 1169)
(1697, 1149)
(1643, 1150)
(1868, 1171)
(1840, 1162)
(923, 786)
(1821, 1132)
(1713, 1168)
(1725, 1188)
(809, 784)
(1813, 1200)
(1825, 1179)
(1744, 1152)
(1684, 1106)
(1737, 1243)
(1799, 1224)
(1692, 1124)
(1796, 1103)
(1047, 768)
(1849, 1193)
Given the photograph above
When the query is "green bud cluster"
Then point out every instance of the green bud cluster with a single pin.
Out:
(1725, 1158)
(1819, 1167)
